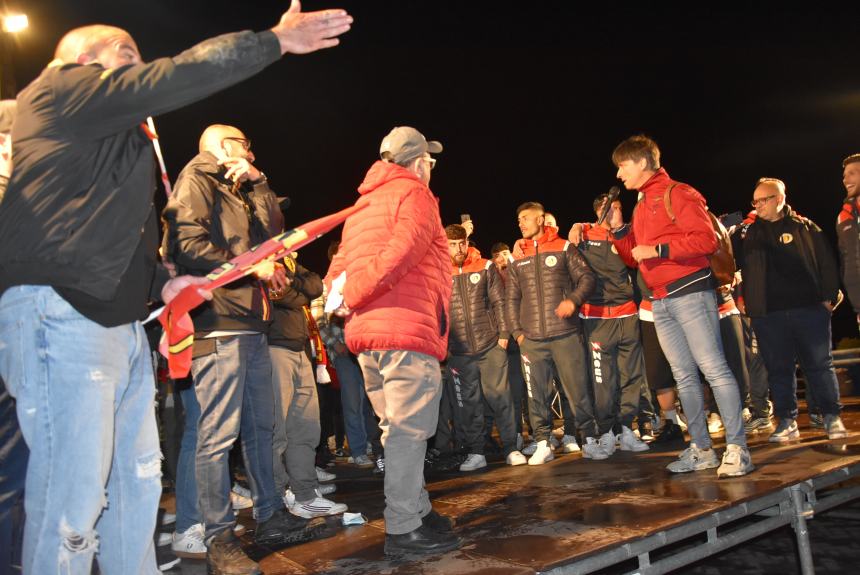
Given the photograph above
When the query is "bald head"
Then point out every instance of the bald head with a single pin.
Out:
(226, 142)
(109, 46)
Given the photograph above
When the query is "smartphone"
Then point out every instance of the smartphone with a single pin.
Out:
(465, 218)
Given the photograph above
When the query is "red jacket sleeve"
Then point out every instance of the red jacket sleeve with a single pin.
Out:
(624, 241)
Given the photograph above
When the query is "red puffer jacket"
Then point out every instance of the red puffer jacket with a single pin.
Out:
(398, 278)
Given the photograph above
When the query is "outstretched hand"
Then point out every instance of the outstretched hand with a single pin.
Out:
(172, 288)
(303, 32)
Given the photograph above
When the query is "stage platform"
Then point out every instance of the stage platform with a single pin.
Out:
(624, 514)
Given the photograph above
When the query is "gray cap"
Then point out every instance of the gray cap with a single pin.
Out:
(404, 143)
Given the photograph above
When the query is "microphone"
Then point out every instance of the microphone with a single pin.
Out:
(611, 196)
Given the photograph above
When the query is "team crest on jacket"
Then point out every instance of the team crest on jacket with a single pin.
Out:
(551, 261)
(786, 239)
(475, 278)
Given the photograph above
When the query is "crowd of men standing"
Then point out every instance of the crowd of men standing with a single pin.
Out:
(448, 343)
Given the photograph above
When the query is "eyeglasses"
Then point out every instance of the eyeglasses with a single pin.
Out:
(431, 161)
(756, 201)
(244, 142)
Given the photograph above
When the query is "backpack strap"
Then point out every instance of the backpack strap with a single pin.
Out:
(667, 202)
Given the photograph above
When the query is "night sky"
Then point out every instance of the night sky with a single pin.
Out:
(529, 99)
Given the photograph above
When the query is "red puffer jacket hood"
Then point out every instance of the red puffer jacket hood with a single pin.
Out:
(473, 260)
(395, 254)
(549, 235)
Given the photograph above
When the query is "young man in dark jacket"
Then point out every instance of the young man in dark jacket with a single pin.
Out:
(848, 231)
(672, 256)
(791, 283)
(613, 343)
(297, 409)
(544, 290)
(478, 361)
(221, 207)
(78, 240)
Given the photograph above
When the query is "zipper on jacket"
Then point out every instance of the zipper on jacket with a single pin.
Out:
(464, 298)
(542, 324)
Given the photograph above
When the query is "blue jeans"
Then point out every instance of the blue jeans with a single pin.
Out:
(187, 507)
(356, 406)
(13, 474)
(798, 334)
(688, 328)
(85, 400)
(234, 390)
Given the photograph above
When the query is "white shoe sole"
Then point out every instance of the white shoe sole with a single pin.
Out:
(738, 473)
(533, 461)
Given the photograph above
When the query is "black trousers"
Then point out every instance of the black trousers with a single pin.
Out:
(758, 382)
(567, 354)
(657, 369)
(481, 386)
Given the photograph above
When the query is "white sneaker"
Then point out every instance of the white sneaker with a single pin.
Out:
(785, 431)
(327, 488)
(694, 459)
(834, 426)
(629, 441)
(240, 497)
(189, 543)
(516, 458)
(530, 448)
(542, 454)
(715, 423)
(736, 462)
(592, 449)
(164, 539)
(317, 507)
(473, 461)
(168, 519)
(569, 444)
(323, 475)
(607, 443)
(362, 461)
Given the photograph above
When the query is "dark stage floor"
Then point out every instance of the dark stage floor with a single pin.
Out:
(525, 520)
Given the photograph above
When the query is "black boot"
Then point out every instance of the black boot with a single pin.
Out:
(670, 433)
(284, 528)
(421, 541)
(224, 556)
(438, 522)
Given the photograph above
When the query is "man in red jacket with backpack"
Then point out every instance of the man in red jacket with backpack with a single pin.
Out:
(396, 293)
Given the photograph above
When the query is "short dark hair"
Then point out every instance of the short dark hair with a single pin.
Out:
(333, 247)
(499, 247)
(852, 159)
(455, 232)
(598, 201)
(530, 206)
(635, 148)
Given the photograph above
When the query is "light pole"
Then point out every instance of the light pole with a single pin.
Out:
(12, 24)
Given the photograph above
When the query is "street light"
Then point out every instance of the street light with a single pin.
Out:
(13, 23)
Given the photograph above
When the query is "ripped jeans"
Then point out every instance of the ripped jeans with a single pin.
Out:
(85, 402)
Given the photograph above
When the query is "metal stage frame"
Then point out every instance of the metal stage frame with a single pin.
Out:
(795, 505)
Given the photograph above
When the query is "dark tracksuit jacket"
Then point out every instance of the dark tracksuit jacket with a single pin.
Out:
(611, 324)
(550, 271)
(478, 364)
(848, 234)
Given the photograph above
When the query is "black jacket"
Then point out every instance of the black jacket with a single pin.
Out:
(551, 271)
(84, 177)
(848, 234)
(477, 306)
(289, 327)
(817, 264)
(613, 286)
(207, 223)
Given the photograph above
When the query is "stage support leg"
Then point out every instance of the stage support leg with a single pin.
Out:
(801, 513)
